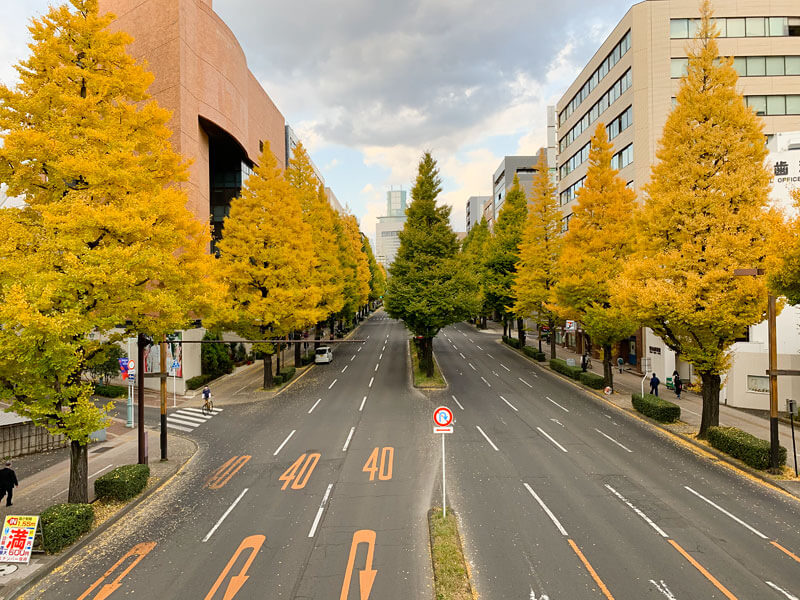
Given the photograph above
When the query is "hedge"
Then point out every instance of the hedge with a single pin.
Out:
(534, 353)
(513, 342)
(284, 376)
(122, 483)
(656, 408)
(62, 524)
(110, 391)
(592, 380)
(561, 366)
(748, 448)
(196, 382)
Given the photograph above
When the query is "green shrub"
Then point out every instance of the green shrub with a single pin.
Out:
(215, 359)
(540, 356)
(194, 383)
(122, 483)
(62, 524)
(562, 367)
(513, 342)
(593, 380)
(656, 408)
(110, 391)
(534, 353)
(288, 373)
(748, 448)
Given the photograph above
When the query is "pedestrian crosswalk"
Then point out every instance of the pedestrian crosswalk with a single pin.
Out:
(188, 419)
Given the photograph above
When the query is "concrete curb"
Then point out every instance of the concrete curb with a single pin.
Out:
(59, 560)
(424, 388)
(730, 462)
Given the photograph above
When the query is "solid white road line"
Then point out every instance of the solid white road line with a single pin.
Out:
(484, 380)
(349, 437)
(284, 442)
(509, 403)
(782, 591)
(462, 355)
(608, 437)
(227, 512)
(525, 382)
(186, 423)
(637, 511)
(371, 379)
(178, 427)
(363, 402)
(553, 518)
(321, 509)
(310, 410)
(488, 440)
(544, 433)
(725, 512)
(473, 367)
(333, 383)
(457, 402)
(505, 367)
(557, 404)
(345, 368)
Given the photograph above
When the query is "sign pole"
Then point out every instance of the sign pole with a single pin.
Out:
(141, 342)
(444, 497)
(162, 354)
(129, 423)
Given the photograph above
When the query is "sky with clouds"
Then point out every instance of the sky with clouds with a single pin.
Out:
(369, 85)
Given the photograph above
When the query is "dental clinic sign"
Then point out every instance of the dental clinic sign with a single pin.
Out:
(785, 169)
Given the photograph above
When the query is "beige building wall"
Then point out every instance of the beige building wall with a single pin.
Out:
(200, 73)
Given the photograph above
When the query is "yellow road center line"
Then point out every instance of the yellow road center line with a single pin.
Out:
(591, 570)
(785, 551)
(705, 573)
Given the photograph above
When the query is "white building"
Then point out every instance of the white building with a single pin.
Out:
(389, 226)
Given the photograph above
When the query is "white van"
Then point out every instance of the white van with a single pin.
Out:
(324, 354)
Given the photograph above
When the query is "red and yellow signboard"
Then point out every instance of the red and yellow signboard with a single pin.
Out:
(16, 542)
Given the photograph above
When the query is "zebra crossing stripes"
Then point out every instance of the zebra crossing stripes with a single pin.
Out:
(187, 419)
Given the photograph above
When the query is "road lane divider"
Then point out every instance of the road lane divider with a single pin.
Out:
(785, 551)
(363, 402)
(138, 552)
(490, 356)
(347, 441)
(505, 367)
(462, 355)
(366, 576)
(299, 471)
(371, 380)
(252, 543)
(557, 404)
(571, 543)
(472, 367)
(525, 382)
(383, 467)
(288, 437)
(320, 511)
(703, 571)
(352, 357)
(487, 439)
(486, 382)
(457, 402)
(223, 475)
(478, 347)
(545, 434)
(333, 383)
(608, 437)
(310, 410)
(345, 368)
(225, 515)
(376, 366)
(509, 403)
(781, 590)
(661, 586)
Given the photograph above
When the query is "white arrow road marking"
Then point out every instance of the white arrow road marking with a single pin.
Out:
(542, 597)
(457, 402)
(559, 422)
(784, 592)
(662, 587)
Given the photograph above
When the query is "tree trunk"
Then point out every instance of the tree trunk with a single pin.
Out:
(317, 335)
(553, 338)
(267, 371)
(298, 354)
(78, 473)
(539, 332)
(521, 332)
(278, 360)
(710, 417)
(333, 327)
(608, 368)
(505, 327)
(427, 356)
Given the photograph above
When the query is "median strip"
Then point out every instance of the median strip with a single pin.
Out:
(450, 570)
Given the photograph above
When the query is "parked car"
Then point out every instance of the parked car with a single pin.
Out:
(324, 354)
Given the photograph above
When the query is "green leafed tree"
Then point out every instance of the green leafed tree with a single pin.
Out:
(105, 237)
(705, 216)
(473, 253)
(595, 248)
(377, 281)
(428, 287)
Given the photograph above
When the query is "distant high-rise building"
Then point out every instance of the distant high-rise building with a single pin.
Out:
(386, 239)
(520, 166)
(475, 210)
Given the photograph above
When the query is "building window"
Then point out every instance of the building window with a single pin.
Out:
(622, 158)
(569, 194)
(575, 160)
(678, 67)
(735, 27)
(261, 146)
(748, 66)
(620, 124)
(758, 384)
(778, 105)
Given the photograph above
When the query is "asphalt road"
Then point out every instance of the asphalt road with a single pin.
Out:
(323, 492)
(562, 496)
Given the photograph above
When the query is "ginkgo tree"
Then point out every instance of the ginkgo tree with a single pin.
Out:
(705, 216)
(473, 256)
(104, 238)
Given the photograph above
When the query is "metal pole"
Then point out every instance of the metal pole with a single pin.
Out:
(794, 448)
(162, 355)
(141, 340)
(774, 455)
(444, 496)
(129, 423)
(174, 389)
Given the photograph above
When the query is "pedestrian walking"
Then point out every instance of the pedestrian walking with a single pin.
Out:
(620, 362)
(654, 381)
(584, 361)
(8, 481)
(676, 381)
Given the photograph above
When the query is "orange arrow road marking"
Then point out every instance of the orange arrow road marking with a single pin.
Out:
(139, 551)
(366, 577)
(253, 543)
(223, 475)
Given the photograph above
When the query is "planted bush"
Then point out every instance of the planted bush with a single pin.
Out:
(562, 367)
(194, 383)
(656, 408)
(110, 391)
(593, 380)
(122, 483)
(534, 353)
(288, 373)
(513, 342)
(748, 448)
(62, 524)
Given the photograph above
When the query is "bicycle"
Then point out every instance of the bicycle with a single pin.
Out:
(208, 406)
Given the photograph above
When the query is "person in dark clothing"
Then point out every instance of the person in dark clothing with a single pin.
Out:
(584, 361)
(676, 380)
(654, 381)
(8, 481)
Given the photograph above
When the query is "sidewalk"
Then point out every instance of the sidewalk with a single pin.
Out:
(629, 382)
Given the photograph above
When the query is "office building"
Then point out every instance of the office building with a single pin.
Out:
(503, 180)
(475, 210)
(389, 226)
(630, 82)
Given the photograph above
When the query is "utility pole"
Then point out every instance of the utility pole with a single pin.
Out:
(774, 446)
(162, 355)
(141, 342)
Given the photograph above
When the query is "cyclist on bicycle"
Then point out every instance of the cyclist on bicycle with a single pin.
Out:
(206, 395)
